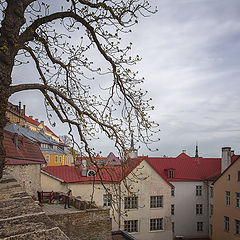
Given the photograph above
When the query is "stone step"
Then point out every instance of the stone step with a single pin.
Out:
(24, 224)
(49, 234)
(17, 207)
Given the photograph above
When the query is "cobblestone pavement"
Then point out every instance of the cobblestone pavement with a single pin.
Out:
(53, 208)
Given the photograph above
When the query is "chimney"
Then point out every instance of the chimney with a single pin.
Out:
(15, 139)
(24, 109)
(42, 122)
(226, 158)
(232, 153)
(31, 116)
(84, 167)
(36, 119)
(184, 151)
(20, 106)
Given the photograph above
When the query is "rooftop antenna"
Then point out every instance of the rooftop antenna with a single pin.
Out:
(196, 153)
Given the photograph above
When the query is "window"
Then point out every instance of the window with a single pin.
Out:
(237, 226)
(47, 158)
(60, 159)
(227, 198)
(198, 190)
(199, 226)
(211, 192)
(229, 177)
(173, 230)
(131, 202)
(131, 226)
(107, 200)
(199, 209)
(56, 159)
(173, 192)
(237, 200)
(156, 224)
(172, 209)
(211, 209)
(226, 224)
(171, 173)
(156, 201)
(238, 176)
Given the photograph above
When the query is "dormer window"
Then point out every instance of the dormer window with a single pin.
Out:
(171, 173)
(91, 173)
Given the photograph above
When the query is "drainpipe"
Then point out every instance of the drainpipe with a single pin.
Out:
(119, 206)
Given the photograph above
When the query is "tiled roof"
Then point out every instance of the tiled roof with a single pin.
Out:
(26, 151)
(185, 167)
(32, 135)
(105, 174)
(36, 123)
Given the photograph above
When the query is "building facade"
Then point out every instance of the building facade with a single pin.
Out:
(190, 204)
(140, 200)
(55, 153)
(226, 212)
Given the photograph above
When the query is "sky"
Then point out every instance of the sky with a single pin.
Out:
(190, 53)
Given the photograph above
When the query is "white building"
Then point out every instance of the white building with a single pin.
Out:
(145, 214)
(190, 204)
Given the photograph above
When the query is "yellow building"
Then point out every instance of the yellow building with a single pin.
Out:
(226, 212)
(16, 114)
(35, 125)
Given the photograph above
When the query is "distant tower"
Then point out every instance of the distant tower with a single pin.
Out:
(196, 154)
(133, 153)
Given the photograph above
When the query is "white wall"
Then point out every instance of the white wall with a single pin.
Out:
(185, 200)
(28, 176)
(153, 185)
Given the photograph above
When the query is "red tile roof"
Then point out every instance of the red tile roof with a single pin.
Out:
(27, 152)
(36, 123)
(185, 167)
(105, 174)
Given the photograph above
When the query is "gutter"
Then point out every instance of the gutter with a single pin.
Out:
(50, 175)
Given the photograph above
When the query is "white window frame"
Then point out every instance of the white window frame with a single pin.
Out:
(156, 201)
(237, 200)
(107, 200)
(131, 202)
(156, 224)
(237, 226)
(199, 190)
(172, 209)
(171, 173)
(199, 209)
(227, 198)
(199, 226)
(47, 158)
(131, 226)
(226, 224)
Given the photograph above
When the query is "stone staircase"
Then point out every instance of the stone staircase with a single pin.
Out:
(20, 217)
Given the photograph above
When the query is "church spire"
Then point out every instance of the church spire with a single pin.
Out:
(196, 154)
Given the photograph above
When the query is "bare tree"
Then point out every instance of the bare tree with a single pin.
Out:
(84, 71)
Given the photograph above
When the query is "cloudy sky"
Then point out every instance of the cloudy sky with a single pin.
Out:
(191, 57)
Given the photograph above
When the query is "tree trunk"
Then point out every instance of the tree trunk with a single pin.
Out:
(9, 47)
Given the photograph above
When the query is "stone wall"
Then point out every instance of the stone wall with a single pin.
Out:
(91, 224)
(27, 175)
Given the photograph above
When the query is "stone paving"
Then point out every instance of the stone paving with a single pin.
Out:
(55, 208)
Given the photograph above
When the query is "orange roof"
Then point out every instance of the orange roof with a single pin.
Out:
(36, 123)
(70, 174)
(23, 151)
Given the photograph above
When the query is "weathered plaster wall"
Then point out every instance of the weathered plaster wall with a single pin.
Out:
(28, 176)
(85, 225)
